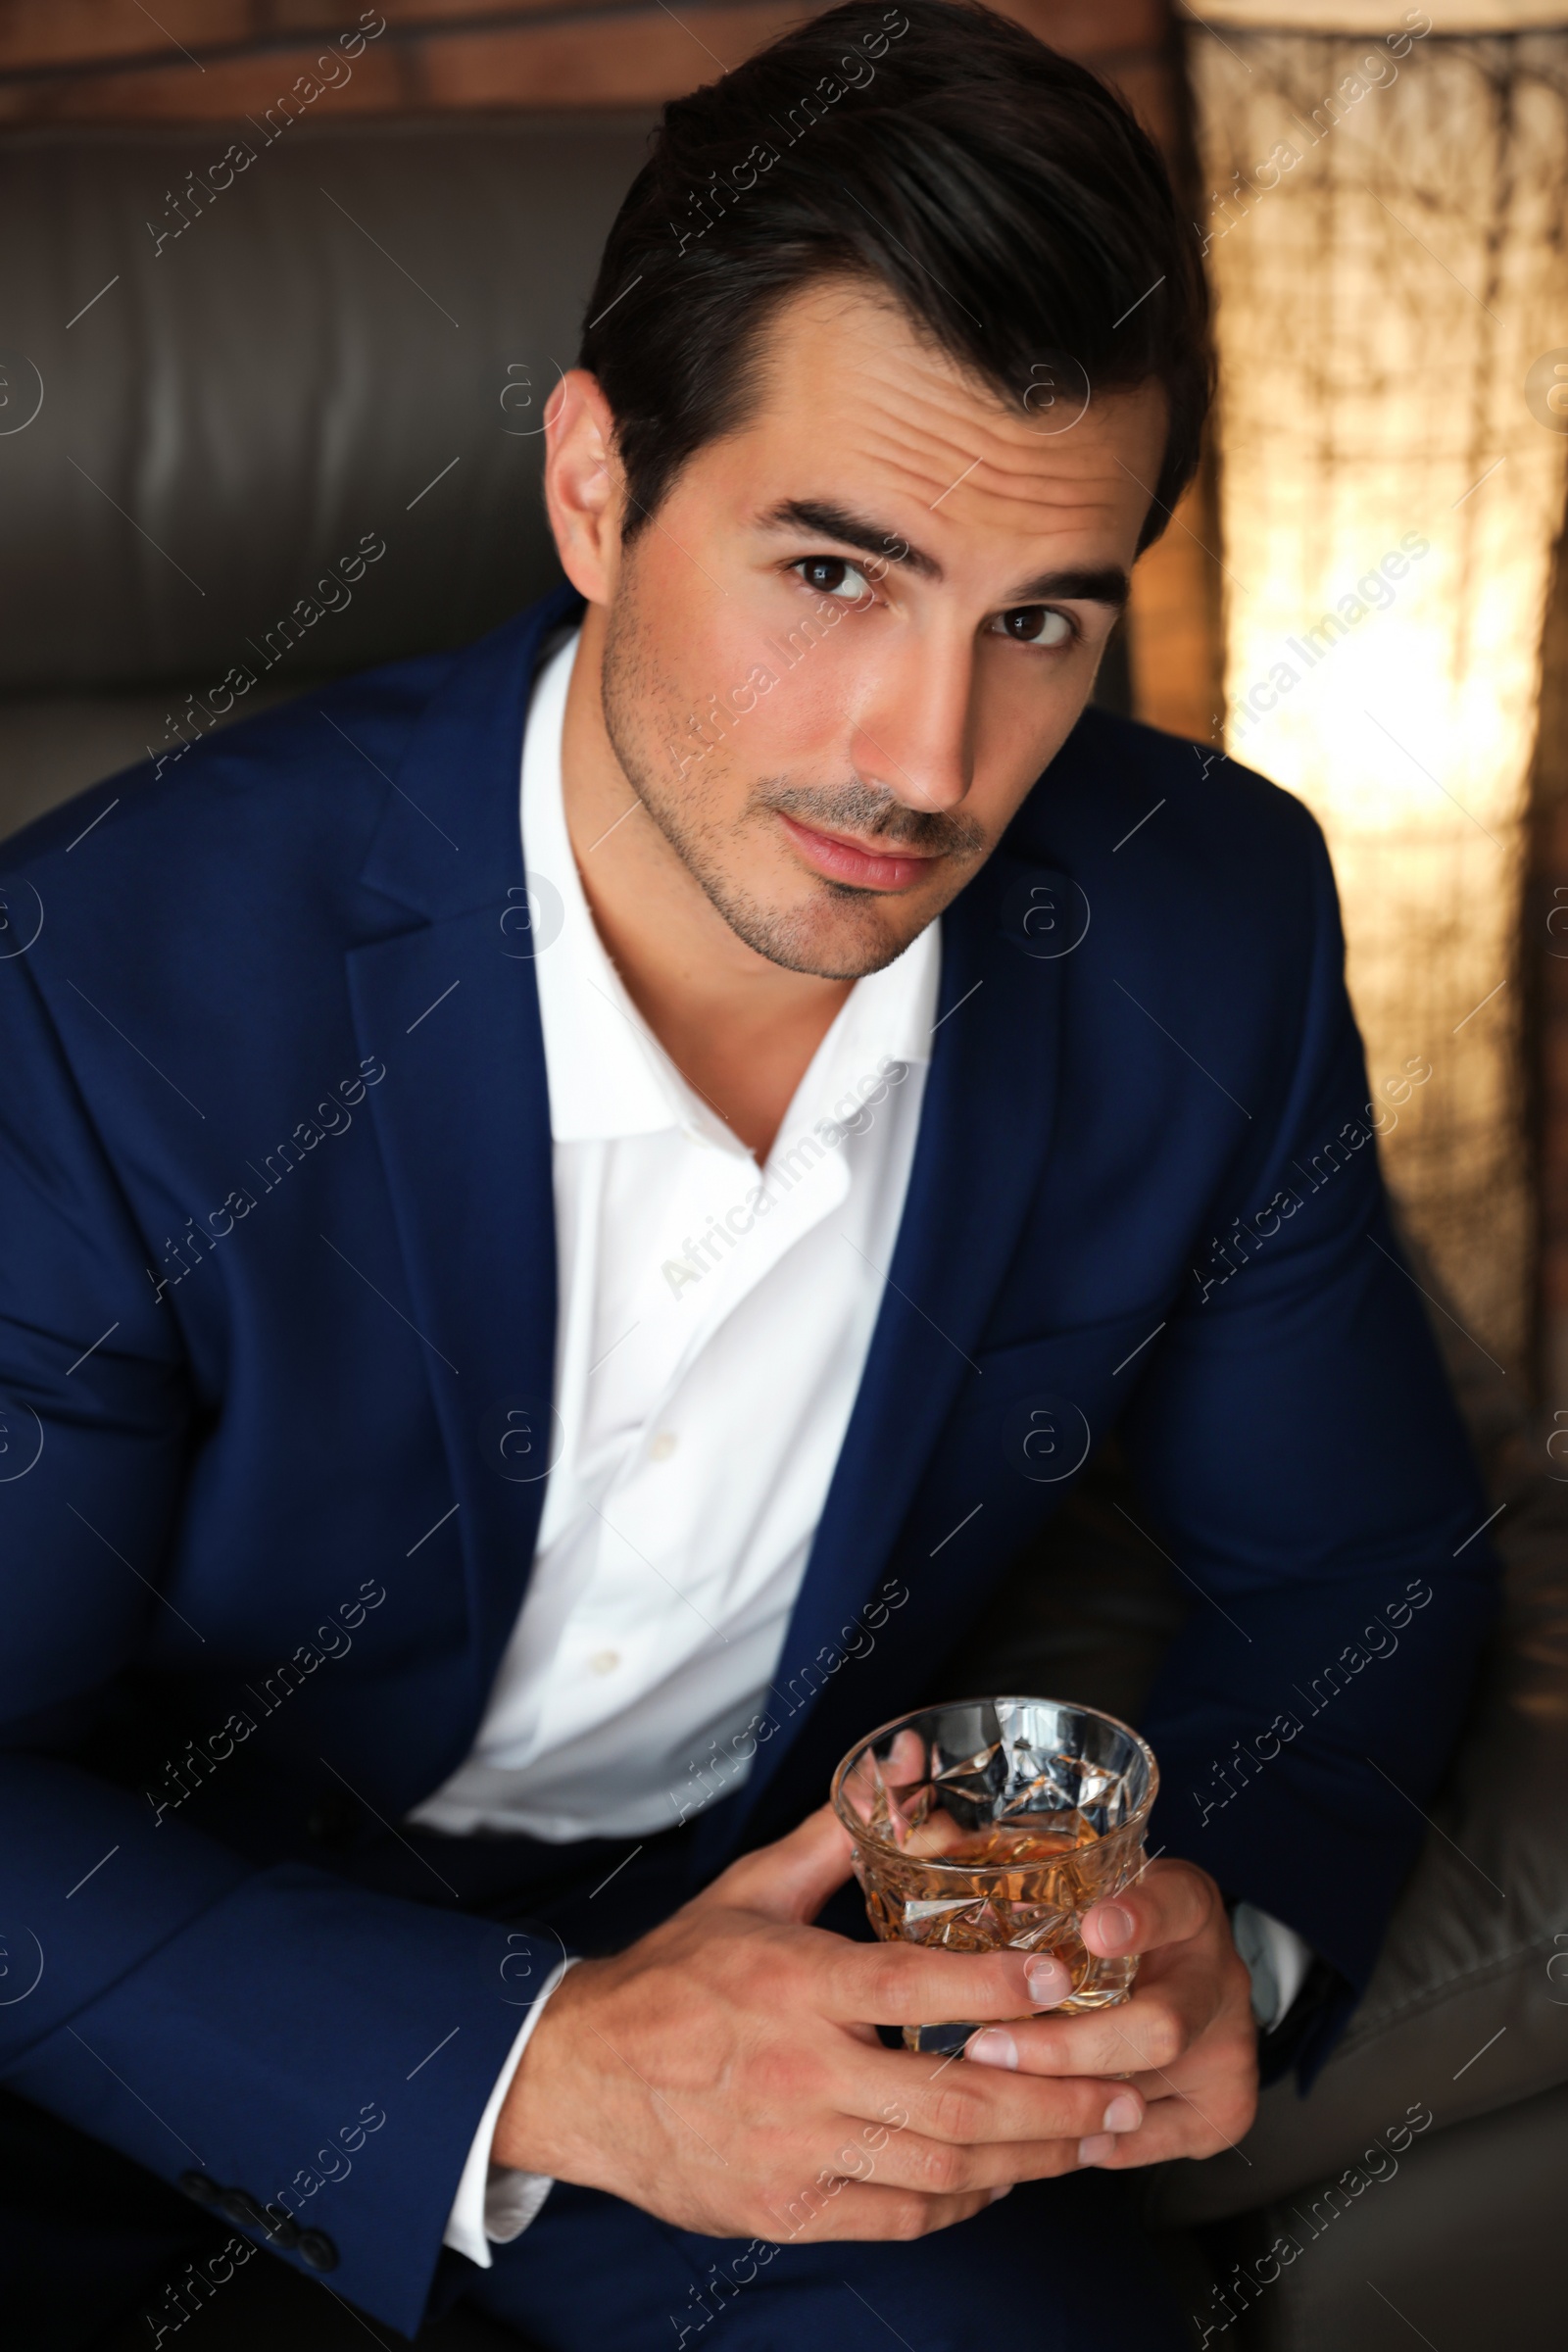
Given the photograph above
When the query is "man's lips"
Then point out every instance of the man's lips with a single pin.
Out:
(844, 861)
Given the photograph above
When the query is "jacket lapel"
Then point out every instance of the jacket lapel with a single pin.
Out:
(984, 1130)
(463, 1117)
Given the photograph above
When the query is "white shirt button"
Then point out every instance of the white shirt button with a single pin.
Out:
(662, 1447)
(604, 1661)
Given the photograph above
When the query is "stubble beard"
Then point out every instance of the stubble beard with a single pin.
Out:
(836, 935)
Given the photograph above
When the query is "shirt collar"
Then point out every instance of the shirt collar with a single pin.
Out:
(608, 1074)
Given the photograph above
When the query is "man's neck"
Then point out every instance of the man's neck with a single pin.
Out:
(740, 1029)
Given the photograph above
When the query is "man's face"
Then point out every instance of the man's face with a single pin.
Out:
(857, 631)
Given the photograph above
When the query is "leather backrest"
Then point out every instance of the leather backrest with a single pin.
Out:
(349, 343)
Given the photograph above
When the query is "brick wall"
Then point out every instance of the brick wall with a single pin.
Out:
(107, 60)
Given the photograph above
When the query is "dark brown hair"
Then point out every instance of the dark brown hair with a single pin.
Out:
(1004, 196)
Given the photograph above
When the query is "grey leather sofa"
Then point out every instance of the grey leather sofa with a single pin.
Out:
(347, 348)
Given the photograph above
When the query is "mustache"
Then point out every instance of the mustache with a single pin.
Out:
(874, 814)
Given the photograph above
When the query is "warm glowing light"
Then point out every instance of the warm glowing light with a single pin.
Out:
(1384, 232)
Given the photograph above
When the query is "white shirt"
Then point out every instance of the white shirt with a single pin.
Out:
(713, 1323)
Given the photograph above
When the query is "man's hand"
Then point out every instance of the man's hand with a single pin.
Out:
(1185, 2040)
(724, 2072)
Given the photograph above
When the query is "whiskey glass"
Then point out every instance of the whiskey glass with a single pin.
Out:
(997, 1823)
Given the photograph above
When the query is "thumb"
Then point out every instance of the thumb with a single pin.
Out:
(793, 1879)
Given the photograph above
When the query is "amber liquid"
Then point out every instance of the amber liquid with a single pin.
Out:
(1014, 1896)
(1004, 1843)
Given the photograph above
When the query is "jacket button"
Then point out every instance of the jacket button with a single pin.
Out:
(240, 2206)
(282, 2229)
(333, 1817)
(317, 2250)
(198, 2187)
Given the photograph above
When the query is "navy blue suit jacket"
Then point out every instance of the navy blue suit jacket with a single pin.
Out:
(278, 1306)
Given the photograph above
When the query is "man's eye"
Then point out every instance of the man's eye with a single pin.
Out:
(831, 575)
(1034, 624)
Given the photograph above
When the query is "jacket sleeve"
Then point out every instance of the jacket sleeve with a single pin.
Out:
(270, 2030)
(1305, 1468)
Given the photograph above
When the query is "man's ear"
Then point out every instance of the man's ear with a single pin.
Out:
(583, 491)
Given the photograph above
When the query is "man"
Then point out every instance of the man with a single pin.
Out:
(523, 1340)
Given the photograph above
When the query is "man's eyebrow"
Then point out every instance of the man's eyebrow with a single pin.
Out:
(1107, 584)
(832, 521)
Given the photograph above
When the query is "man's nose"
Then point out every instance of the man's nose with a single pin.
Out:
(914, 731)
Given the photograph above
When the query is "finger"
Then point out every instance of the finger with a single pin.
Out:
(1170, 1903)
(976, 2104)
(1084, 2104)
(1149, 2032)
(793, 1879)
(1198, 2122)
(947, 2167)
(938, 1834)
(903, 1767)
(858, 2209)
(913, 1985)
(860, 1785)
(904, 1763)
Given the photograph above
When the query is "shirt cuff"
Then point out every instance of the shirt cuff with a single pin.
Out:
(1277, 1961)
(495, 2201)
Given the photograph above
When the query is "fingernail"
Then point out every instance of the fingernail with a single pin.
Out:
(993, 2048)
(1006, 2190)
(1097, 2147)
(1123, 2114)
(1114, 1924)
(1049, 1982)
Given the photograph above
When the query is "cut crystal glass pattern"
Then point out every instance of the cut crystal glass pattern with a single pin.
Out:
(998, 1823)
